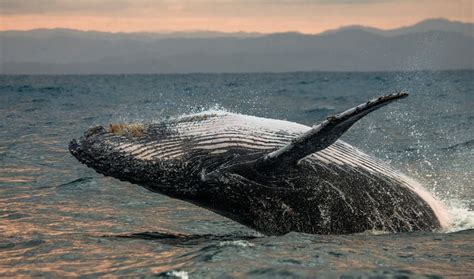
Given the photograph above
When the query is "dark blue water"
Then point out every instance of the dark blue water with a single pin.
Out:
(59, 218)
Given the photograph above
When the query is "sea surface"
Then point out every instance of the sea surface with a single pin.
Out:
(59, 218)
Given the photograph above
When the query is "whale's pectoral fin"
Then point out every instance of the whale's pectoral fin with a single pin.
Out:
(323, 134)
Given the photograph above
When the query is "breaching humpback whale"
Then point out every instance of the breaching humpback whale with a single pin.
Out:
(271, 175)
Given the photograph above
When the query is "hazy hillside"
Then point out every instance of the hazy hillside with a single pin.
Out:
(432, 45)
(438, 24)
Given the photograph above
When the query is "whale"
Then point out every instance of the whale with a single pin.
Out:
(273, 176)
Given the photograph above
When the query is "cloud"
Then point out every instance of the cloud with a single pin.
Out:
(19, 7)
(15, 7)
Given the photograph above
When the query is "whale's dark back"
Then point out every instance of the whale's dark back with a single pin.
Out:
(350, 190)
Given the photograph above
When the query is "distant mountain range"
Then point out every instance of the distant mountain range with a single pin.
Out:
(428, 25)
(435, 44)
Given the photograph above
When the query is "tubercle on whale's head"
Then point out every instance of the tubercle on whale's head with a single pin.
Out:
(98, 148)
(82, 147)
(95, 149)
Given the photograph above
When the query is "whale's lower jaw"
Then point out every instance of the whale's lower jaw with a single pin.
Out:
(258, 172)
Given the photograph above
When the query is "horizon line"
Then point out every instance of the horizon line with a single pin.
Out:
(237, 73)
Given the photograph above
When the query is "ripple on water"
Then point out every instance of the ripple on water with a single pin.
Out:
(60, 219)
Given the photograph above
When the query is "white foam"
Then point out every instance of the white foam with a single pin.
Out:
(462, 217)
(178, 274)
(240, 243)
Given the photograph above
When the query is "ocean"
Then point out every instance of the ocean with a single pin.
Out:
(59, 218)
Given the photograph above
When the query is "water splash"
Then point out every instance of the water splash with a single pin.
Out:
(181, 274)
(462, 217)
(237, 243)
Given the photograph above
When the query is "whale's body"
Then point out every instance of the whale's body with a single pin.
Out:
(263, 172)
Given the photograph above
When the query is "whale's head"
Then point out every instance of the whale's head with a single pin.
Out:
(131, 153)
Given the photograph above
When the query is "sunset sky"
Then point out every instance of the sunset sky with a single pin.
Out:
(306, 16)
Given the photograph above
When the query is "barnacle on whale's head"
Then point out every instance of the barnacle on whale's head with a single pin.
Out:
(132, 130)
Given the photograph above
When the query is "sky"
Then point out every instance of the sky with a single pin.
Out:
(265, 16)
